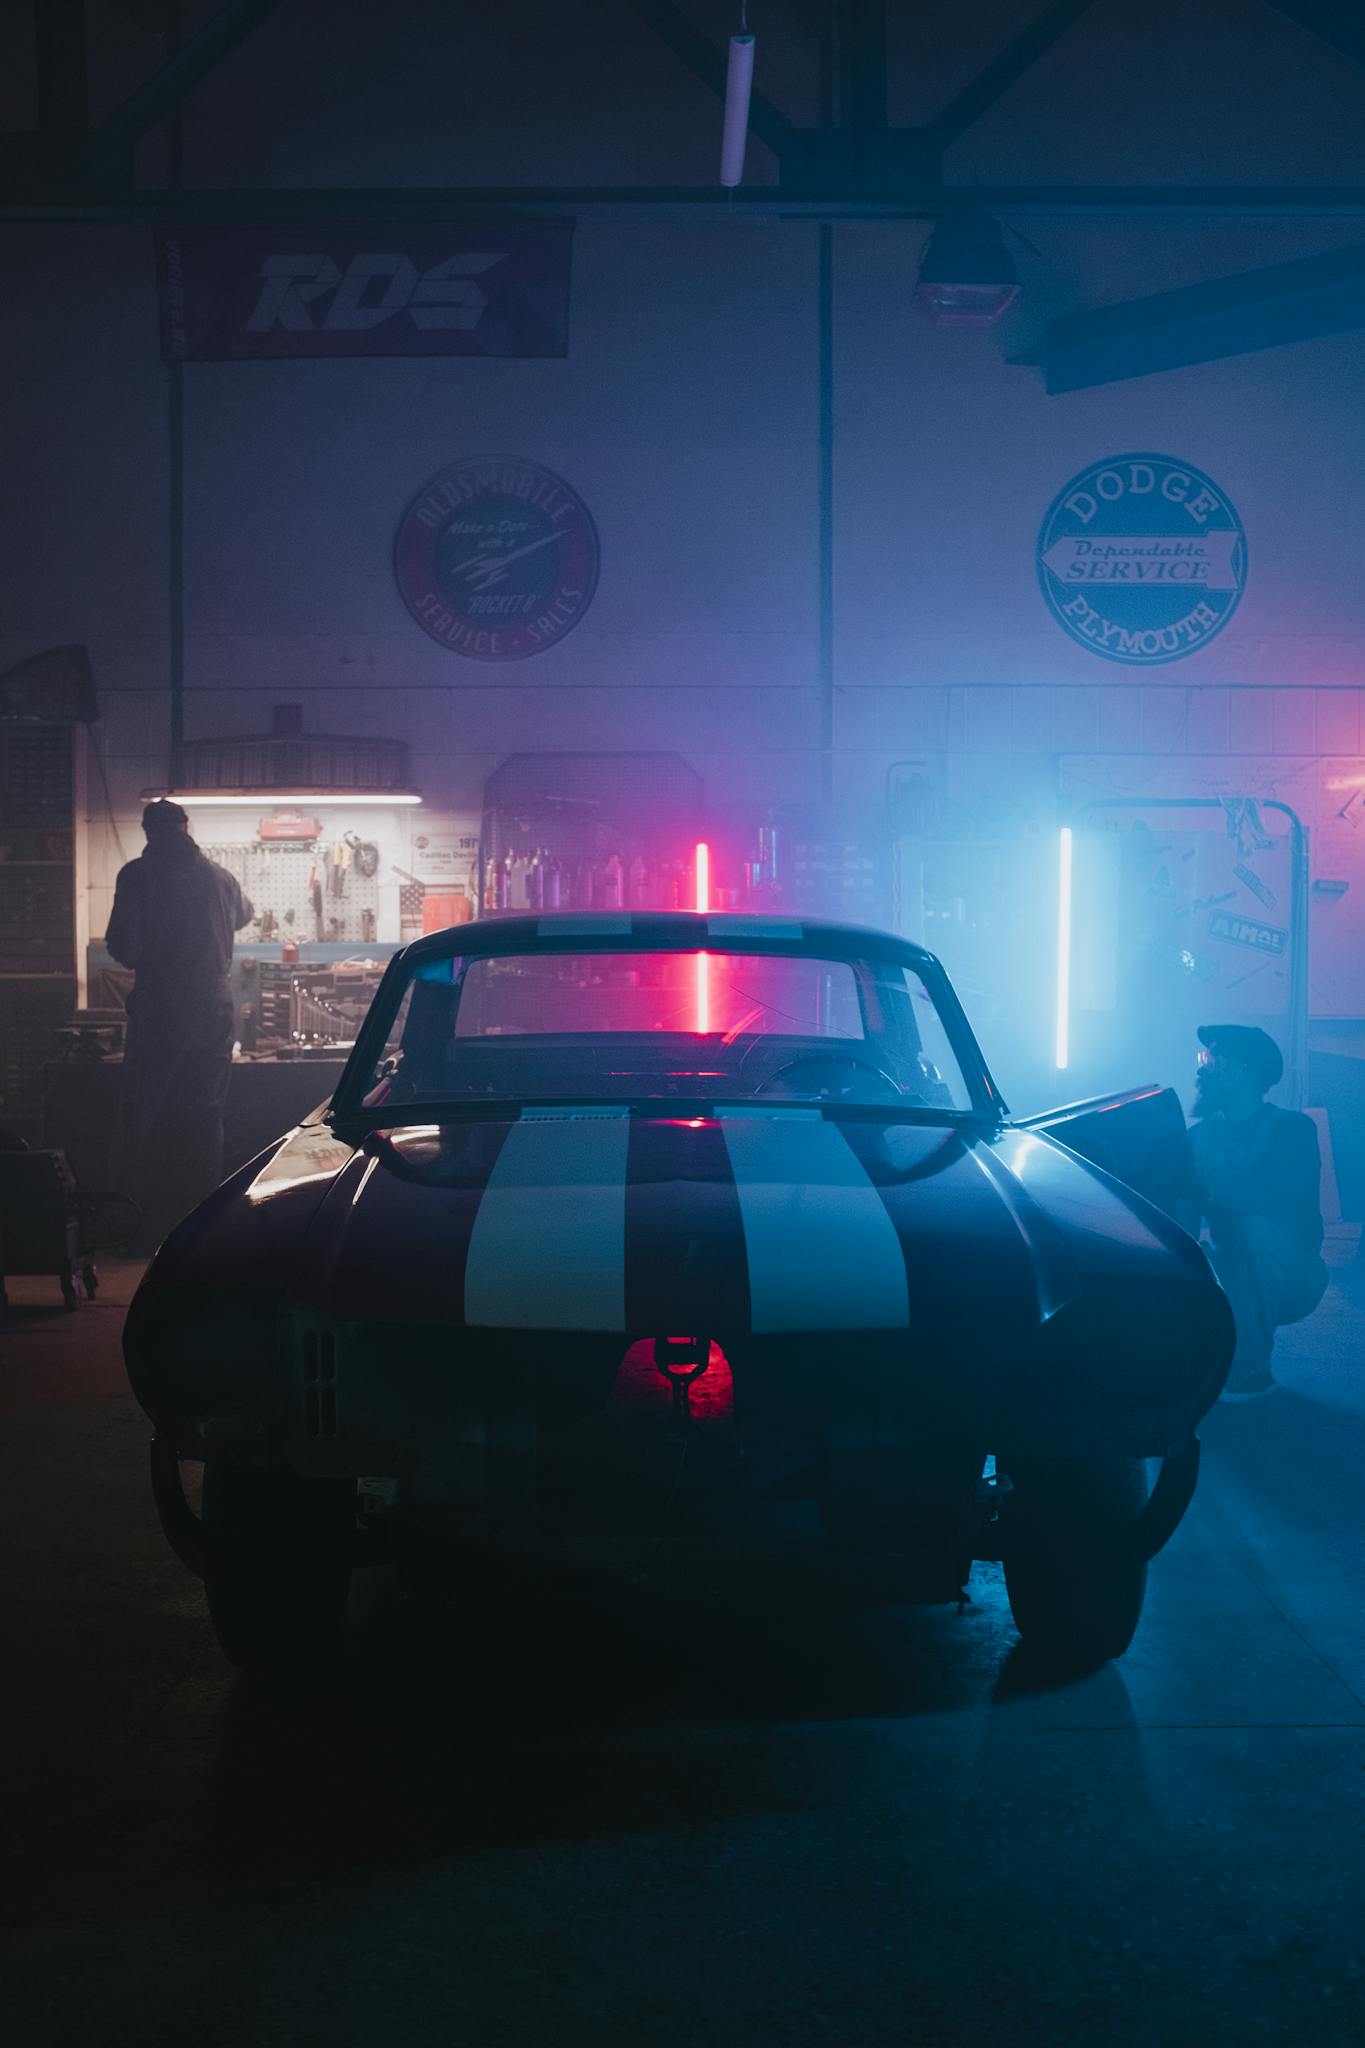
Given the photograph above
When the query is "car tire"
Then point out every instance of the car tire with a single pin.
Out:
(1075, 1587)
(279, 1551)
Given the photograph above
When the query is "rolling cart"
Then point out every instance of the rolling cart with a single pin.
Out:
(46, 1226)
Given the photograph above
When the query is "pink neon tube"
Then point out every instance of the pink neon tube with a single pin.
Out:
(703, 872)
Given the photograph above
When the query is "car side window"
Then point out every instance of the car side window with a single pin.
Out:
(388, 1066)
(943, 1084)
(907, 1024)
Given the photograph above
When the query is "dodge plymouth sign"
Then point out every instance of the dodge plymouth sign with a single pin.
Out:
(229, 293)
(497, 558)
(1142, 559)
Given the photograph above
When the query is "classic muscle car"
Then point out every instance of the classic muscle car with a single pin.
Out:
(640, 1240)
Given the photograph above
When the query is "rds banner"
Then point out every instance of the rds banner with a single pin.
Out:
(235, 293)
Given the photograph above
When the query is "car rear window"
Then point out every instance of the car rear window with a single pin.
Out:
(530, 995)
(619, 1025)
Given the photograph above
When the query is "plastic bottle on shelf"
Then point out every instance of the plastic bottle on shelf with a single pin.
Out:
(639, 883)
(614, 884)
(552, 885)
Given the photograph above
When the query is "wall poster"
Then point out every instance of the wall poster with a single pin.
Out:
(497, 558)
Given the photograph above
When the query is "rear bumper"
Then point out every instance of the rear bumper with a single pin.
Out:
(871, 1443)
(264, 1379)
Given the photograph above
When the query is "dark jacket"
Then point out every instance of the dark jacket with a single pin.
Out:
(174, 915)
(1267, 1165)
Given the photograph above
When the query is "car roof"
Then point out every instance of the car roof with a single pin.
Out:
(611, 931)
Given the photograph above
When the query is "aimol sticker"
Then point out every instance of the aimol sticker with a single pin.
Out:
(1245, 931)
(1142, 559)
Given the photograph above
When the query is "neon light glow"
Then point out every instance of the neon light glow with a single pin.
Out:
(1063, 1049)
(703, 872)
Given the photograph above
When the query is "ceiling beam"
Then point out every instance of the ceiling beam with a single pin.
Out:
(111, 145)
(310, 206)
(1205, 323)
(1006, 70)
(1338, 23)
(680, 34)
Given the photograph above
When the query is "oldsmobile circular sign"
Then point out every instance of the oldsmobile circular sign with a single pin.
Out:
(1142, 559)
(497, 558)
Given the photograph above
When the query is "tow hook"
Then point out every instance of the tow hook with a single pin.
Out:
(681, 1360)
(1167, 1502)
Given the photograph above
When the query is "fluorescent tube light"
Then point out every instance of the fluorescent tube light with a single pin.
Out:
(739, 80)
(267, 799)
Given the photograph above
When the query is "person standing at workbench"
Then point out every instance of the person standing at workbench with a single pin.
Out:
(174, 915)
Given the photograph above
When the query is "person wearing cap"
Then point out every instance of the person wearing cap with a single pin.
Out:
(1259, 1172)
(174, 915)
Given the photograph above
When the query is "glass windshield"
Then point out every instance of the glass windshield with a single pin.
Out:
(626, 1026)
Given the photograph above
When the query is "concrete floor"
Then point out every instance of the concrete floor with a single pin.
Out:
(855, 1829)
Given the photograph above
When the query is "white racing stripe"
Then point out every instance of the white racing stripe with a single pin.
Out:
(548, 1247)
(823, 1252)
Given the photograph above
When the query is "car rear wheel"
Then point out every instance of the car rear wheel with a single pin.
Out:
(1075, 1580)
(279, 1551)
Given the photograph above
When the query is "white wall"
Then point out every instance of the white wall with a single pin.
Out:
(685, 418)
(685, 415)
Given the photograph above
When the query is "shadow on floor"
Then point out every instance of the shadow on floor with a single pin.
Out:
(577, 1723)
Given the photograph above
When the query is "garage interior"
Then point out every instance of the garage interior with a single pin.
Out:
(835, 491)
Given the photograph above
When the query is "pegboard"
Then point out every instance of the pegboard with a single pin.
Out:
(35, 918)
(36, 771)
(276, 876)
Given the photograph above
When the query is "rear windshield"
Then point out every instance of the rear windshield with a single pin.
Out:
(724, 993)
(631, 1025)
